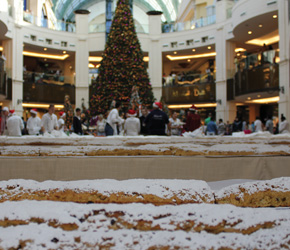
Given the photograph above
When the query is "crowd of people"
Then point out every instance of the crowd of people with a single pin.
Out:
(133, 123)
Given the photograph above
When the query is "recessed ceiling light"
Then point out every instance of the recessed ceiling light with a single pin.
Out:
(260, 25)
(188, 60)
(64, 52)
(209, 47)
(249, 98)
(174, 52)
(275, 16)
(45, 49)
(193, 50)
(250, 32)
(259, 96)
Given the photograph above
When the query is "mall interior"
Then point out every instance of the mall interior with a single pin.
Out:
(227, 57)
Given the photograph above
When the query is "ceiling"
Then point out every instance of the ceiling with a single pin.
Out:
(65, 8)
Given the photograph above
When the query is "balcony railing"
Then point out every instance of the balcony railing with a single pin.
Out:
(194, 93)
(257, 73)
(46, 88)
(193, 24)
(51, 24)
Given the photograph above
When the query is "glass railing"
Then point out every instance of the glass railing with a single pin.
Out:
(97, 28)
(45, 23)
(101, 27)
(257, 59)
(229, 13)
(199, 92)
(47, 78)
(193, 24)
(188, 79)
(257, 73)
(10, 11)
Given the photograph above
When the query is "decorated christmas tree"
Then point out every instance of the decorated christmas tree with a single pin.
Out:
(122, 70)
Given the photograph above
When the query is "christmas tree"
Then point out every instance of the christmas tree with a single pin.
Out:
(122, 68)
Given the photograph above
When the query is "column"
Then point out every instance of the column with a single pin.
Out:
(82, 58)
(155, 53)
(225, 52)
(284, 65)
(13, 50)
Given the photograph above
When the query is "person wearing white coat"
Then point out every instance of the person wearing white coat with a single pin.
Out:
(113, 120)
(284, 126)
(132, 124)
(49, 121)
(34, 123)
(14, 124)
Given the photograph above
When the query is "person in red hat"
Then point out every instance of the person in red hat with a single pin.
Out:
(157, 120)
(33, 123)
(192, 120)
(14, 124)
(61, 121)
(132, 124)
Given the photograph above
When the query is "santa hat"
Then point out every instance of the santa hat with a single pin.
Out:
(157, 105)
(193, 108)
(11, 111)
(131, 112)
(33, 111)
(62, 114)
(5, 109)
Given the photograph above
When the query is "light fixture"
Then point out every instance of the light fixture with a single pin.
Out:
(188, 60)
(91, 66)
(238, 54)
(250, 32)
(261, 41)
(95, 58)
(249, 98)
(174, 52)
(146, 58)
(258, 96)
(174, 58)
(275, 16)
(265, 100)
(64, 52)
(34, 54)
(40, 105)
(260, 25)
(45, 59)
(240, 50)
(209, 47)
(186, 106)
(1, 48)
(193, 50)
(192, 27)
(45, 49)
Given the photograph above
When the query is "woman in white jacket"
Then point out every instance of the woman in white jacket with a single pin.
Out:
(132, 124)
(14, 124)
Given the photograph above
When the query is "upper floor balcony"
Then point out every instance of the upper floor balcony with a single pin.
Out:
(39, 87)
(69, 26)
(191, 88)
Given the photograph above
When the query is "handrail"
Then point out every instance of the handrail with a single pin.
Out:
(189, 25)
(59, 25)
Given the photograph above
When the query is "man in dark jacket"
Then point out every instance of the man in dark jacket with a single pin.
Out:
(77, 125)
(157, 120)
